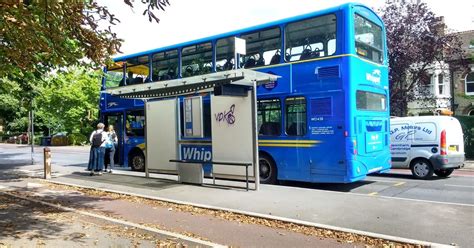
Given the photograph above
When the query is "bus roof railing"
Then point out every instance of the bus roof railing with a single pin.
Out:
(192, 85)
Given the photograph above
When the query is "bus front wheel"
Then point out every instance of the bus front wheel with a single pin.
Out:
(136, 161)
(268, 172)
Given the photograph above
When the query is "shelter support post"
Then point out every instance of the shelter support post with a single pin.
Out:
(147, 173)
(256, 165)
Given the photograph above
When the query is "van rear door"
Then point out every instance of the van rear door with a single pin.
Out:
(454, 137)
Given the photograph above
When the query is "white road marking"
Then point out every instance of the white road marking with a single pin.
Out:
(460, 186)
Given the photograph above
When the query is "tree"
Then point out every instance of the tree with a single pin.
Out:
(68, 101)
(416, 40)
(37, 36)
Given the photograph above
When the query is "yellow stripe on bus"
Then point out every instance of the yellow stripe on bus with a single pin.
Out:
(287, 145)
(291, 141)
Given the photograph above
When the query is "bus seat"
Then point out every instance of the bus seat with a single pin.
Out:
(137, 80)
(147, 79)
(270, 128)
(250, 63)
(296, 128)
(275, 59)
(228, 65)
(306, 54)
(122, 82)
(260, 61)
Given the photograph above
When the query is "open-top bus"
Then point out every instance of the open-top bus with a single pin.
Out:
(326, 119)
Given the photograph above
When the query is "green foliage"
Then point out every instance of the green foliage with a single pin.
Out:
(69, 101)
(77, 139)
(467, 123)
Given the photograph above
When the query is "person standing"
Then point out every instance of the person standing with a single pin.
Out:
(98, 140)
(110, 147)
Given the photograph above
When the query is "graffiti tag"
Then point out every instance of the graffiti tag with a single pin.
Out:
(226, 116)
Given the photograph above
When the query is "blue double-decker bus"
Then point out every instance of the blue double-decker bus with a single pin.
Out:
(326, 119)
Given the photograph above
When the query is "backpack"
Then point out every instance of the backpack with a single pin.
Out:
(97, 139)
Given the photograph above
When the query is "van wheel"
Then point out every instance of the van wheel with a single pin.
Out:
(136, 161)
(444, 172)
(421, 168)
(268, 171)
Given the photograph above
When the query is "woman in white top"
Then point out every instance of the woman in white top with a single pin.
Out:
(110, 147)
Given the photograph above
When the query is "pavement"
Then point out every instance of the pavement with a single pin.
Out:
(389, 217)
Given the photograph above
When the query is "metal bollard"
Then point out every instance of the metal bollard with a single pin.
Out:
(47, 163)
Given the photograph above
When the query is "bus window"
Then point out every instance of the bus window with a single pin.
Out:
(368, 39)
(310, 38)
(295, 116)
(370, 101)
(135, 123)
(261, 47)
(196, 60)
(269, 117)
(165, 66)
(137, 70)
(225, 54)
(114, 75)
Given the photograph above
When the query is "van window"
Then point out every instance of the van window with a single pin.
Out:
(425, 132)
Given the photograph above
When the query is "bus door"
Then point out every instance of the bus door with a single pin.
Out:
(116, 119)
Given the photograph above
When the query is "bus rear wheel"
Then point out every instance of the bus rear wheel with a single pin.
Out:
(268, 172)
(136, 161)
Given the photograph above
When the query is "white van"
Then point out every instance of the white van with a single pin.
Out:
(427, 145)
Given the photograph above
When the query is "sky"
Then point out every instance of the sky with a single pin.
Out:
(187, 20)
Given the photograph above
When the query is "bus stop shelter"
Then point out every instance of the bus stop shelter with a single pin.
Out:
(233, 119)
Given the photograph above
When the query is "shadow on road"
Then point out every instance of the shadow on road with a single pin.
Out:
(327, 186)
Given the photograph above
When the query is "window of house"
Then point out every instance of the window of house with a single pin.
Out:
(269, 117)
(441, 85)
(295, 116)
(470, 84)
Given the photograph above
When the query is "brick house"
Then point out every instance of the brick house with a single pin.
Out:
(463, 80)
